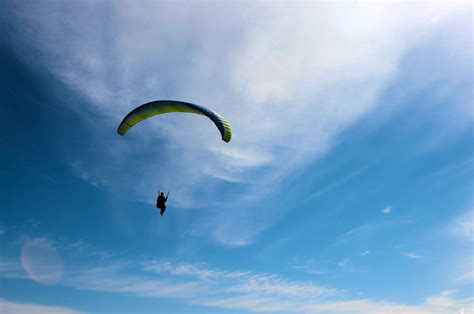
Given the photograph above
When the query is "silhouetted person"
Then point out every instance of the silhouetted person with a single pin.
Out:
(161, 202)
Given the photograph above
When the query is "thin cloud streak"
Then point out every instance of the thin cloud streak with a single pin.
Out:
(413, 255)
(463, 227)
(9, 307)
(441, 304)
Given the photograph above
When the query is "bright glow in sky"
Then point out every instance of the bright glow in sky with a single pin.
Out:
(347, 186)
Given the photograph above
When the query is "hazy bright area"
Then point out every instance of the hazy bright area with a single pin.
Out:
(347, 186)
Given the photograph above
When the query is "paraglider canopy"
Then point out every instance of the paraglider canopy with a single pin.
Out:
(166, 106)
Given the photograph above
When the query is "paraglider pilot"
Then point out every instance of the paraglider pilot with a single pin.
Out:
(161, 202)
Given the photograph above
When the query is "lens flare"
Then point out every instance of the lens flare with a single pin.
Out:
(41, 261)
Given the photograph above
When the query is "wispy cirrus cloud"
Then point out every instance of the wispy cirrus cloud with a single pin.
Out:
(343, 263)
(462, 229)
(365, 253)
(386, 210)
(463, 226)
(195, 281)
(275, 71)
(244, 290)
(200, 284)
(413, 255)
(442, 303)
(10, 307)
(356, 233)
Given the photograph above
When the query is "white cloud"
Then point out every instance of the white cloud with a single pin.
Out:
(431, 305)
(413, 255)
(245, 282)
(335, 184)
(343, 263)
(463, 226)
(83, 174)
(309, 267)
(468, 275)
(356, 233)
(438, 304)
(195, 284)
(276, 72)
(9, 307)
(249, 291)
(387, 210)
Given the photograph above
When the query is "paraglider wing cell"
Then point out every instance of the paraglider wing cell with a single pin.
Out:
(166, 106)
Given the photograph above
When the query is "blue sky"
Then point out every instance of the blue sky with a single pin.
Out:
(347, 186)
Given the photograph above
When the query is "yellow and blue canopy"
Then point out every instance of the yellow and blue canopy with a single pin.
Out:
(166, 106)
